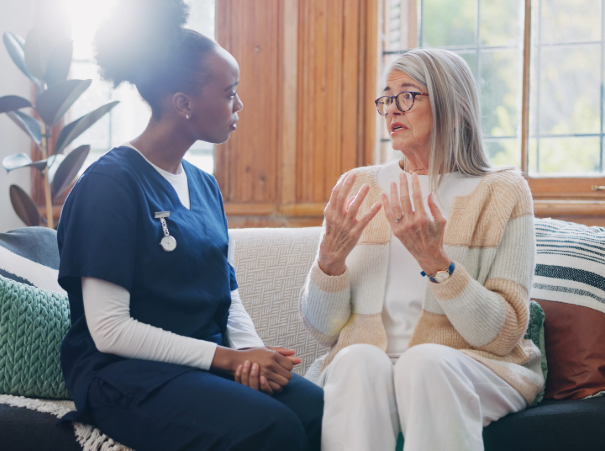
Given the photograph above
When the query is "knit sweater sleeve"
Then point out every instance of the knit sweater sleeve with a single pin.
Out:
(493, 316)
(326, 304)
(326, 300)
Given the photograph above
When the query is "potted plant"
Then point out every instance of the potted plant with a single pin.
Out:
(46, 62)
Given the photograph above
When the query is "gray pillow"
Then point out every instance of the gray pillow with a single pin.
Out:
(30, 255)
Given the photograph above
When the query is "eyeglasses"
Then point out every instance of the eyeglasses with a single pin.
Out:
(404, 101)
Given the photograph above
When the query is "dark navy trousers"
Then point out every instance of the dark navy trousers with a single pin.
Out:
(199, 411)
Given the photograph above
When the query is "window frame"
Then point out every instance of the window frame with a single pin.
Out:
(582, 194)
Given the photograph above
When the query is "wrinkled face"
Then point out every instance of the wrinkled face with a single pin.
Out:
(410, 131)
(215, 108)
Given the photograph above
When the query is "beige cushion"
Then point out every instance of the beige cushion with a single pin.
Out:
(271, 267)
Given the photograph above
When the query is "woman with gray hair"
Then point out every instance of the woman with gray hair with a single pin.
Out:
(421, 283)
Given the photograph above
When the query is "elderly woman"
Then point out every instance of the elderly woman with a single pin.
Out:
(421, 284)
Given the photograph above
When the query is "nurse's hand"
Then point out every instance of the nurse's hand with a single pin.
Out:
(249, 375)
(274, 367)
(289, 353)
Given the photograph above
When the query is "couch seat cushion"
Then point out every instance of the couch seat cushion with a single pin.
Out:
(552, 425)
(23, 429)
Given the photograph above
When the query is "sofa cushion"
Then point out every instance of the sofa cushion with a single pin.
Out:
(271, 266)
(33, 323)
(535, 333)
(552, 425)
(24, 429)
(569, 284)
(575, 349)
(30, 255)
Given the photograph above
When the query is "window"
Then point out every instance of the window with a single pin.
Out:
(566, 108)
(540, 77)
(129, 118)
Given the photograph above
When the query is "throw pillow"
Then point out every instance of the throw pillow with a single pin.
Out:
(33, 323)
(535, 333)
(569, 285)
(30, 255)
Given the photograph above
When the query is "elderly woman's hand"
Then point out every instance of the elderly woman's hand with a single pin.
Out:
(343, 229)
(420, 234)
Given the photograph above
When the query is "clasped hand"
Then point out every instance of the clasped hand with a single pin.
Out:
(418, 232)
(267, 369)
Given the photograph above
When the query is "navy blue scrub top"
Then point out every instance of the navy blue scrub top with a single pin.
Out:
(108, 230)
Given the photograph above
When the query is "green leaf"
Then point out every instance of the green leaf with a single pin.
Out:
(60, 61)
(24, 206)
(22, 160)
(11, 103)
(16, 161)
(28, 124)
(14, 44)
(68, 169)
(54, 162)
(38, 48)
(53, 103)
(80, 125)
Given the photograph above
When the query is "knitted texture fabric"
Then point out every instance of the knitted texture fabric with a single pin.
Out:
(535, 333)
(32, 324)
(481, 310)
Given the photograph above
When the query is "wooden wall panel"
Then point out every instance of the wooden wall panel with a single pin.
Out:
(249, 30)
(308, 81)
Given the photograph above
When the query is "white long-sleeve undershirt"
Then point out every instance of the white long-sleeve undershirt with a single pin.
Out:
(114, 331)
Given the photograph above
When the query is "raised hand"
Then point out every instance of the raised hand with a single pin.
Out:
(343, 229)
(418, 232)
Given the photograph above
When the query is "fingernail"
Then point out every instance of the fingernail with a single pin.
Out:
(246, 365)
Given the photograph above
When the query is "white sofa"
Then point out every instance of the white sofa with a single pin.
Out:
(271, 267)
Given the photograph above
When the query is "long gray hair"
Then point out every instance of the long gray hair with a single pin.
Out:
(456, 142)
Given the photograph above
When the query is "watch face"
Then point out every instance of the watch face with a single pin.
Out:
(168, 243)
(442, 276)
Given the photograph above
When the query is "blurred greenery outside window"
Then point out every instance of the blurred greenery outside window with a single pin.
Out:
(566, 109)
(130, 117)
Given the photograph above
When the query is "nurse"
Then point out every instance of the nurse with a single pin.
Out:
(161, 354)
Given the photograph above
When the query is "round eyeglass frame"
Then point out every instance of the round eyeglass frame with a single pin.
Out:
(395, 98)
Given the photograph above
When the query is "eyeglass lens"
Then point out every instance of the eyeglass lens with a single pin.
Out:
(405, 100)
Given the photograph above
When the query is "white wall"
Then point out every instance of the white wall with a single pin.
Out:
(16, 16)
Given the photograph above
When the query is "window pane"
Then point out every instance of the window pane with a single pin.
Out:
(566, 155)
(128, 119)
(569, 89)
(471, 59)
(448, 22)
(501, 22)
(97, 94)
(569, 21)
(500, 92)
(504, 152)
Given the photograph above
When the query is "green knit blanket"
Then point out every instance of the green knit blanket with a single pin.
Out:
(33, 323)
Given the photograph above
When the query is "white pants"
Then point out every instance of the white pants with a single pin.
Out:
(437, 396)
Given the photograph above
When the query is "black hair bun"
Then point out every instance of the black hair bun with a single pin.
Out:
(137, 38)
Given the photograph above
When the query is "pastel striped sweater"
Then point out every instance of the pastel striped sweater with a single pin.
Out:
(481, 310)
